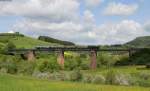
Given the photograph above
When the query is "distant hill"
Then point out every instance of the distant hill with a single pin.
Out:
(52, 40)
(21, 41)
(139, 42)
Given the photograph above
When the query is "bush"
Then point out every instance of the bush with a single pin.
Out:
(8, 64)
(42, 75)
(98, 79)
(110, 77)
(60, 76)
(48, 66)
(76, 63)
(3, 70)
(106, 59)
(76, 75)
(140, 57)
(87, 79)
(71, 64)
(26, 67)
(148, 65)
(121, 79)
(144, 83)
(84, 65)
(144, 75)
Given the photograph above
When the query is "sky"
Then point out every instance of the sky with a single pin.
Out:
(92, 22)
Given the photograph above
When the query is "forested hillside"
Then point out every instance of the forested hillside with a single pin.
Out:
(140, 42)
(52, 40)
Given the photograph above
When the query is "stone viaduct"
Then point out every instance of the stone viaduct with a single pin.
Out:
(30, 54)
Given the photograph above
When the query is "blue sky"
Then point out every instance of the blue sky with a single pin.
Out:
(140, 15)
(80, 21)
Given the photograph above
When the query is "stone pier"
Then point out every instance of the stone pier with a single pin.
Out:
(61, 59)
(30, 55)
(93, 55)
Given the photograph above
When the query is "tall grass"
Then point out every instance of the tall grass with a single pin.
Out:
(121, 69)
(17, 83)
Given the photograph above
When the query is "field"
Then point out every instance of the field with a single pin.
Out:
(24, 42)
(27, 42)
(121, 69)
(19, 83)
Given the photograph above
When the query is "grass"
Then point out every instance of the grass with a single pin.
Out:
(18, 83)
(24, 42)
(27, 42)
(122, 69)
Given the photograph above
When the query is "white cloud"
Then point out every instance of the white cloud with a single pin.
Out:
(61, 30)
(146, 26)
(120, 9)
(121, 32)
(108, 33)
(92, 3)
(47, 17)
(92, 34)
(54, 10)
(88, 16)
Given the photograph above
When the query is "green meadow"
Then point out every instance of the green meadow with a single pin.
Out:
(120, 69)
(23, 42)
(19, 83)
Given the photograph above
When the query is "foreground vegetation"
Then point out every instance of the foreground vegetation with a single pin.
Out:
(77, 69)
(17, 83)
(112, 69)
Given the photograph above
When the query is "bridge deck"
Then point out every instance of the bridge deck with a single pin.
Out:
(54, 49)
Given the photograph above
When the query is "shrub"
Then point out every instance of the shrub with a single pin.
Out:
(141, 57)
(76, 63)
(26, 68)
(60, 76)
(144, 83)
(3, 70)
(144, 75)
(71, 64)
(110, 77)
(98, 79)
(12, 67)
(106, 59)
(121, 79)
(9, 65)
(84, 65)
(48, 66)
(76, 75)
(133, 81)
(148, 65)
(41, 75)
(124, 60)
(87, 79)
